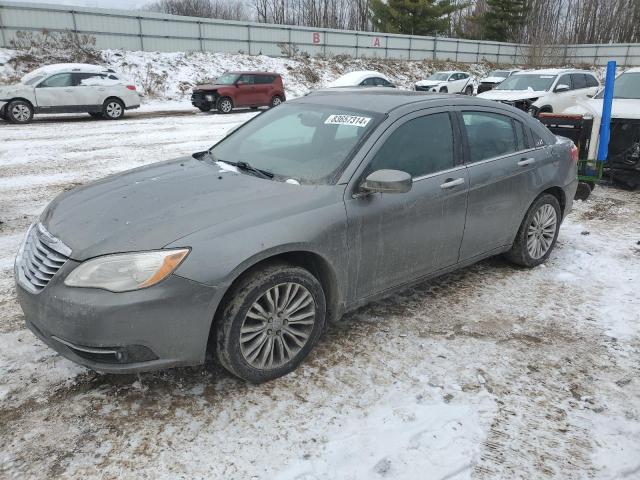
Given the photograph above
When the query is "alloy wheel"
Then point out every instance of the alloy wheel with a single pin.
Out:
(114, 109)
(276, 101)
(21, 113)
(277, 326)
(225, 106)
(542, 231)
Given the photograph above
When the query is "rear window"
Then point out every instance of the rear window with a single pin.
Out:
(264, 79)
(579, 81)
(592, 81)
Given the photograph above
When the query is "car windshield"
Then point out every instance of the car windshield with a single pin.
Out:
(29, 80)
(227, 79)
(535, 82)
(439, 76)
(308, 143)
(498, 73)
(627, 86)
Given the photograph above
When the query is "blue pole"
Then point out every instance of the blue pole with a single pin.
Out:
(607, 103)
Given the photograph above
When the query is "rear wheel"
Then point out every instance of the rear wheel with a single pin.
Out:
(225, 105)
(113, 109)
(538, 232)
(19, 111)
(468, 90)
(270, 323)
(275, 101)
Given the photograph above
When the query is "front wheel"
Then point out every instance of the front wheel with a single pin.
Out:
(113, 109)
(444, 90)
(19, 111)
(225, 105)
(538, 232)
(468, 90)
(270, 323)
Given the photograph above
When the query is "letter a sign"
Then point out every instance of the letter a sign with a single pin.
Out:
(376, 42)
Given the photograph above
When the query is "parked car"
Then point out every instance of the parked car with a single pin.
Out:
(305, 212)
(447, 82)
(495, 78)
(365, 78)
(239, 89)
(550, 90)
(68, 88)
(582, 123)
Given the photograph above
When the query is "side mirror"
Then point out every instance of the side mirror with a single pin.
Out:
(239, 83)
(562, 88)
(387, 181)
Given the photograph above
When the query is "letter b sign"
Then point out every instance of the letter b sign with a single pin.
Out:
(316, 37)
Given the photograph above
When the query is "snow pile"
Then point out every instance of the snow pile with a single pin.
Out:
(171, 76)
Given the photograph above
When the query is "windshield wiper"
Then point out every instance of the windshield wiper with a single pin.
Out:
(258, 172)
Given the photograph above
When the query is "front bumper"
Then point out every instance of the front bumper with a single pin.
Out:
(163, 326)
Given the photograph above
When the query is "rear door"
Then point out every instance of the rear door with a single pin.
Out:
(395, 238)
(501, 165)
(90, 89)
(263, 89)
(56, 93)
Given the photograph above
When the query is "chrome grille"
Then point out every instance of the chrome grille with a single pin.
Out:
(40, 258)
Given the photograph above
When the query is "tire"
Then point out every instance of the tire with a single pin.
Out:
(468, 90)
(254, 108)
(225, 105)
(19, 111)
(524, 252)
(275, 101)
(583, 191)
(249, 359)
(444, 90)
(205, 108)
(96, 114)
(113, 109)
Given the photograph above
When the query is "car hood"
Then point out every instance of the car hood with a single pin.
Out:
(492, 80)
(621, 108)
(14, 90)
(511, 95)
(210, 86)
(429, 83)
(153, 206)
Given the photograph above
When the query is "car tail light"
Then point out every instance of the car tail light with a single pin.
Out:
(131, 87)
(574, 153)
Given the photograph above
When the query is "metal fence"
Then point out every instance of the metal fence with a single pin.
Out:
(133, 30)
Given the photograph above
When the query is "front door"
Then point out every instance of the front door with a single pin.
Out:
(246, 91)
(56, 93)
(397, 238)
(500, 164)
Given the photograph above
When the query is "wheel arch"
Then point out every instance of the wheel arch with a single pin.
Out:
(315, 263)
(114, 97)
(560, 196)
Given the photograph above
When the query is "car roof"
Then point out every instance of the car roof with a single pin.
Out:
(72, 67)
(632, 70)
(353, 78)
(383, 100)
(552, 71)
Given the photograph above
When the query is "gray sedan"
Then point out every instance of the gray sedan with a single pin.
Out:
(307, 211)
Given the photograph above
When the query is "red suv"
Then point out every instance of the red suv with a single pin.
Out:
(239, 89)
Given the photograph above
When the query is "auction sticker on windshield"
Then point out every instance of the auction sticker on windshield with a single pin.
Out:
(347, 120)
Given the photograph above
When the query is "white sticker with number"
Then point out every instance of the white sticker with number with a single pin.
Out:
(347, 120)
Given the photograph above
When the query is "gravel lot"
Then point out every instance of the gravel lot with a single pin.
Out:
(491, 372)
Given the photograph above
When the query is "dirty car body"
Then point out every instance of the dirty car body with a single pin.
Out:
(331, 214)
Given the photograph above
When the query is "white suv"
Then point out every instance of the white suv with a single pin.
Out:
(551, 90)
(447, 82)
(68, 88)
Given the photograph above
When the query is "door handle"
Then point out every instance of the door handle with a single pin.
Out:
(452, 182)
(526, 161)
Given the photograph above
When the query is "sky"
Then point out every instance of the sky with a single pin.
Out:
(119, 4)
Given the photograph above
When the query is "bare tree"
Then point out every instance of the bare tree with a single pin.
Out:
(224, 9)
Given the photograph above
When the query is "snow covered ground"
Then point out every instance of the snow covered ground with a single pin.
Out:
(492, 372)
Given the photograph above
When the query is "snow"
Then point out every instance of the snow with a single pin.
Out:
(353, 79)
(490, 372)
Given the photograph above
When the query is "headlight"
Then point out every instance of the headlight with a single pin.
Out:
(127, 271)
(209, 98)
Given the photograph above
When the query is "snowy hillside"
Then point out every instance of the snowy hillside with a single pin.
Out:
(171, 76)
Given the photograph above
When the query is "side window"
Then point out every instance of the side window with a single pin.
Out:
(59, 80)
(490, 135)
(565, 80)
(538, 141)
(87, 79)
(521, 139)
(419, 147)
(264, 79)
(463, 76)
(368, 82)
(591, 81)
(578, 81)
(248, 79)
